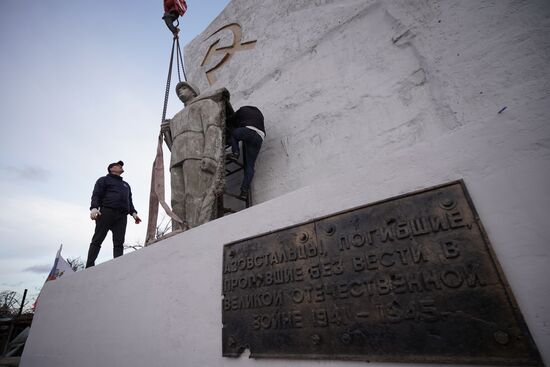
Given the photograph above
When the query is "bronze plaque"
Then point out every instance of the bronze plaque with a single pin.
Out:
(408, 279)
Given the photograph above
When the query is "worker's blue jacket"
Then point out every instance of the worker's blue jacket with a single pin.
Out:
(112, 192)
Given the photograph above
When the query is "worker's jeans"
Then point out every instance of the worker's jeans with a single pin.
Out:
(110, 220)
(252, 144)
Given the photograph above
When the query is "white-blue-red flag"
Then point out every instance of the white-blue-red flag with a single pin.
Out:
(60, 268)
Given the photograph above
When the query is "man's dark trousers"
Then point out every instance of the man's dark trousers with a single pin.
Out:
(252, 144)
(110, 220)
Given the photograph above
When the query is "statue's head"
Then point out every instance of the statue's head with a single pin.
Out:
(186, 91)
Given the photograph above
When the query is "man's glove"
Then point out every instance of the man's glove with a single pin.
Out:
(136, 218)
(94, 214)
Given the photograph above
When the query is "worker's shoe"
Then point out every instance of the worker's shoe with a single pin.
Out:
(232, 156)
(243, 195)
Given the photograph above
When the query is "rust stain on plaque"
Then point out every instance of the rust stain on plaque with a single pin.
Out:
(408, 279)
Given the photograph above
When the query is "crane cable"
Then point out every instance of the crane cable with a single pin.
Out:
(156, 195)
(179, 62)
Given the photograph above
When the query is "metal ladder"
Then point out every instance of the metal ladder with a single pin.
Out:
(232, 167)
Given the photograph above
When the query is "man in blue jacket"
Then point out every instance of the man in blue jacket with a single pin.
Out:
(111, 203)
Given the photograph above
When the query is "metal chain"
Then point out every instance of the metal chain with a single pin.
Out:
(180, 60)
(167, 91)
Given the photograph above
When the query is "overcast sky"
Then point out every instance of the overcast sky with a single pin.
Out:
(81, 85)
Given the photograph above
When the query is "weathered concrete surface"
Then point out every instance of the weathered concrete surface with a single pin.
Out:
(161, 306)
(345, 84)
(363, 100)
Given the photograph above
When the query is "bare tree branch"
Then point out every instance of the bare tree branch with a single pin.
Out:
(76, 263)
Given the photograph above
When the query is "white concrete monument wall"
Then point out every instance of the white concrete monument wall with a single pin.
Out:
(363, 100)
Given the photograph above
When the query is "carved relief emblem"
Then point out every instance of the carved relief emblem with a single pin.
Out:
(227, 51)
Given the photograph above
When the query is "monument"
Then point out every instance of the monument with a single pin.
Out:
(377, 110)
(195, 137)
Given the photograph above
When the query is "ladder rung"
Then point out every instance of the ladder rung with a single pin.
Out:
(228, 161)
(234, 196)
(229, 173)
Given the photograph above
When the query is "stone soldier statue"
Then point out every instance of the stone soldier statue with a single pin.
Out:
(195, 137)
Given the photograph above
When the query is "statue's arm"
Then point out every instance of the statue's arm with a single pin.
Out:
(165, 131)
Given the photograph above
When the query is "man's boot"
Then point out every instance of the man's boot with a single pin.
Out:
(93, 251)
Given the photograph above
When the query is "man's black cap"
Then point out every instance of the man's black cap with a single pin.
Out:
(120, 163)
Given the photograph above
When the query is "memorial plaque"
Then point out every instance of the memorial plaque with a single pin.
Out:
(408, 279)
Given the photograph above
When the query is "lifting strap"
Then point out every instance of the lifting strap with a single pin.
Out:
(156, 195)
